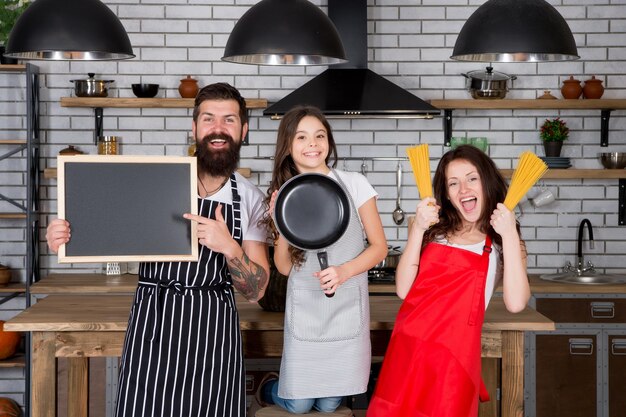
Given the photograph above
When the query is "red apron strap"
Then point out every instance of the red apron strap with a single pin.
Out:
(479, 286)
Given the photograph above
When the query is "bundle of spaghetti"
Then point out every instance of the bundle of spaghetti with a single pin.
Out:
(418, 156)
(529, 169)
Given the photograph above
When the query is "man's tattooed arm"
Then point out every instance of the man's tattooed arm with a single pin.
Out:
(249, 278)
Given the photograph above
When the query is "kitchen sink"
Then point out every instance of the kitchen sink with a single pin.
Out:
(588, 278)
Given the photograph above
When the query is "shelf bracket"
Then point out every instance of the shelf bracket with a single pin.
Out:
(99, 113)
(604, 127)
(622, 202)
(447, 126)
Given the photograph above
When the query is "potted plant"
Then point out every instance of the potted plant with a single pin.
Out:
(553, 133)
(10, 10)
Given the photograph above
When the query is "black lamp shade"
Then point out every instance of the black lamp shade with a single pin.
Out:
(284, 32)
(515, 30)
(68, 30)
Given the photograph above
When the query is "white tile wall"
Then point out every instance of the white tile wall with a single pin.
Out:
(409, 43)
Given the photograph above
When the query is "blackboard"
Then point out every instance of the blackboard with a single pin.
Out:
(128, 208)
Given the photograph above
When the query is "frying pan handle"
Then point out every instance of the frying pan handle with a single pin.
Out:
(322, 257)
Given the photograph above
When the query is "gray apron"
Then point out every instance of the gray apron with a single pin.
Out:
(327, 350)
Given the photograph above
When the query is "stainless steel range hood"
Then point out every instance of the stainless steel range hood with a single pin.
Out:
(352, 90)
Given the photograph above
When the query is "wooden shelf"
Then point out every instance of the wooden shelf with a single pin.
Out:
(12, 142)
(12, 215)
(15, 361)
(13, 68)
(132, 102)
(577, 173)
(51, 173)
(13, 288)
(512, 104)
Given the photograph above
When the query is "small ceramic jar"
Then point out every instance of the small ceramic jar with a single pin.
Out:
(571, 88)
(188, 87)
(593, 88)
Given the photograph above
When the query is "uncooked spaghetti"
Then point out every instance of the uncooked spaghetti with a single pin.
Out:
(418, 156)
(529, 169)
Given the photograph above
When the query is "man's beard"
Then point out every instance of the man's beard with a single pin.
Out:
(219, 163)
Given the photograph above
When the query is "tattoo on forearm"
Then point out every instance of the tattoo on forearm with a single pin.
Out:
(248, 277)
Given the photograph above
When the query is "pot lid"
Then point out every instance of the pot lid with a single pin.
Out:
(91, 79)
(489, 75)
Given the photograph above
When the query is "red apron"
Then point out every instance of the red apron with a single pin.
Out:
(432, 364)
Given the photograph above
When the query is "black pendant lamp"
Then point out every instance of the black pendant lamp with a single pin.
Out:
(68, 30)
(284, 32)
(515, 30)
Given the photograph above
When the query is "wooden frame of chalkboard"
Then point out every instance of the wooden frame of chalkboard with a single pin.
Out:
(128, 208)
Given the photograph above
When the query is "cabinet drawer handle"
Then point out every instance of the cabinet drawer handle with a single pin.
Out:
(618, 347)
(580, 346)
(603, 310)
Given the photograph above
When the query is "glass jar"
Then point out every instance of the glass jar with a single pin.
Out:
(191, 150)
(107, 145)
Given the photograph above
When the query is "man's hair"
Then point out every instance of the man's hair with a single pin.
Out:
(220, 91)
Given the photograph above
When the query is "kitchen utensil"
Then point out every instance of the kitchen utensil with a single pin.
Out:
(480, 142)
(188, 87)
(613, 160)
(546, 95)
(543, 198)
(5, 275)
(107, 145)
(391, 260)
(91, 87)
(145, 90)
(398, 213)
(456, 141)
(571, 88)
(70, 150)
(312, 212)
(593, 88)
(488, 84)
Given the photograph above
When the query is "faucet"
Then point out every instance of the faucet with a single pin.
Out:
(581, 268)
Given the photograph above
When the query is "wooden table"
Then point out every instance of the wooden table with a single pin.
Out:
(83, 326)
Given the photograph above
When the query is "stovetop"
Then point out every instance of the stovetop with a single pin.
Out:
(381, 275)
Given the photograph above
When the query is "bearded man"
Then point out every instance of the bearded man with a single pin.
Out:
(182, 353)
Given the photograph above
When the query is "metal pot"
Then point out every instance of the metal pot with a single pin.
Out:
(488, 84)
(391, 260)
(91, 87)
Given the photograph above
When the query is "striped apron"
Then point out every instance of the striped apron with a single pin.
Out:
(183, 352)
(327, 350)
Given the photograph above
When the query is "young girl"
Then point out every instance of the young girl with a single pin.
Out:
(331, 333)
(463, 241)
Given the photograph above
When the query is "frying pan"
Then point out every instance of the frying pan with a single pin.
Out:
(312, 212)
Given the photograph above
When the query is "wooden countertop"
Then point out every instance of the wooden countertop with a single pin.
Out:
(110, 313)
(126, 284)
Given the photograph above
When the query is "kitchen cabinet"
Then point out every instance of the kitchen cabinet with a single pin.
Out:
(26, 206)
(579, 369)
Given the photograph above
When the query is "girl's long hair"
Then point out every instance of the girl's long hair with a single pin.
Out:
(494, 191)
(285, 167)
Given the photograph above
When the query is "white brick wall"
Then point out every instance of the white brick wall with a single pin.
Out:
(410, 44)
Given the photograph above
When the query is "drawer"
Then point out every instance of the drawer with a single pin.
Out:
(578, 310)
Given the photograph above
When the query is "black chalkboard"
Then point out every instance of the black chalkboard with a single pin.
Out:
(128, 208)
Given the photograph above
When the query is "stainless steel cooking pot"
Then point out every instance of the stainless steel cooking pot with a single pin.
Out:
(488, 84)
(391, 260)
(91, 87)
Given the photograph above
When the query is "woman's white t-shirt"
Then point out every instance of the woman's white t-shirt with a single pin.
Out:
(495, 271)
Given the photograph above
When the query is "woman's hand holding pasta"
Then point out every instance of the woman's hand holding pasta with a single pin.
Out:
(426, 214)
(503, 221)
